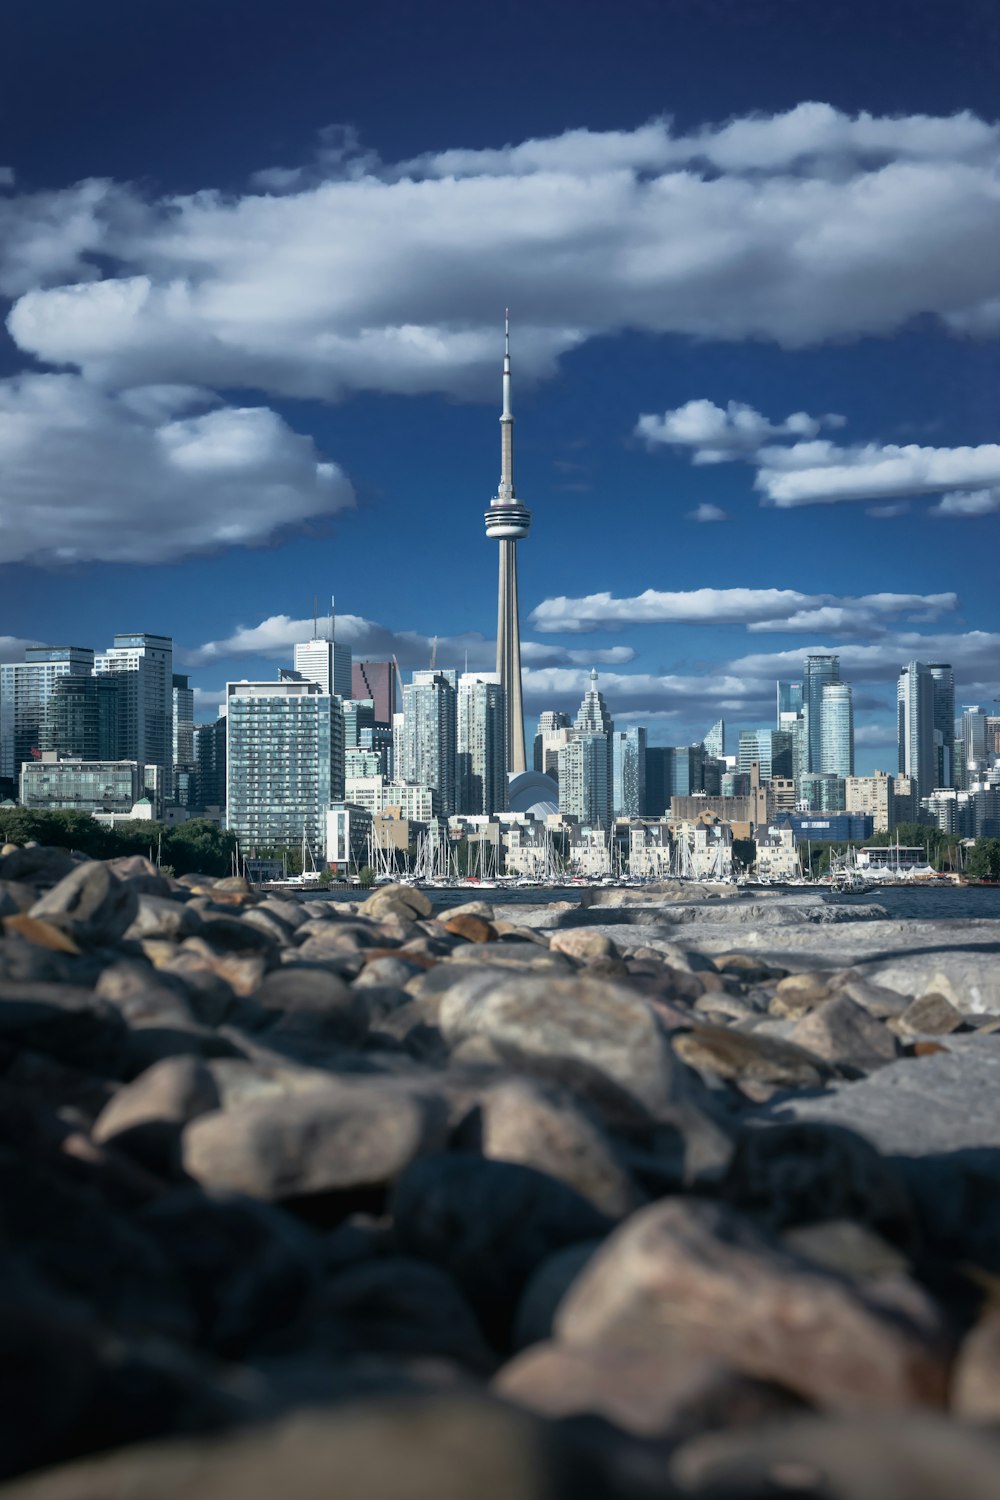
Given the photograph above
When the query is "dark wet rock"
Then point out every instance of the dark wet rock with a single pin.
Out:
(395, 1305)
(749, 1057)
(540, 1126)
(37, 866)
(312, 1000)
(597, 1022)
(546, 1288)
(249, 1269)
(16, 897)
(787, 1175)
(489, 1224)
(63, 1021)
(704, 1275)
(350, 1134)
(669, 1393)
(90, 904)
(847, 1248)
(844, 1033)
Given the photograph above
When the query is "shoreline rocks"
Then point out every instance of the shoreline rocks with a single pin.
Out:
(594, 1187)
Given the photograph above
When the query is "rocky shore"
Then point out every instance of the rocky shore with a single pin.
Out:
(686, 1195)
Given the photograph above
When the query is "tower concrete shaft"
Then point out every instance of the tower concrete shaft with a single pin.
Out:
(507, 521)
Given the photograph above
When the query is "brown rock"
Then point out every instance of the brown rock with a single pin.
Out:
(43, 934)
(746, 1057)
(391, 899)
(745, 967)
(701, 1272)
(578, 942)
(798, 993)
(90, 903)
(469, 925)
(929, 1015)
(975, 1385)
(668, 1392)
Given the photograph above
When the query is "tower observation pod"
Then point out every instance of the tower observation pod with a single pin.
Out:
(507, 522)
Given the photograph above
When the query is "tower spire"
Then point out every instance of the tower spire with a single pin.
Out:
(505, 490)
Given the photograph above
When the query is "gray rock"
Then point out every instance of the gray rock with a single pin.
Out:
(489, 1224)
(546, 1288)
(309, 999)
(931, 1015)
(392, 900)
(975, 1386)
(158, 916)
(63, 1021)
(704, 1275)
(540, 1126)
(171, 1092)
(90, 904)
(392, 971)
(37, 865)
(844, 1033)
(349, 1135)
(596, 1022)
(749, 1058)
(579, 943)
(16, 897)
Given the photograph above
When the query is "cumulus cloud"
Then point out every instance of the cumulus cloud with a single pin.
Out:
(276, 637)
(706, 512)
(357, 274)
(717, 434)
(821, 473)
(148, 477)
(968, 503)
(12, 647)
(758, 609)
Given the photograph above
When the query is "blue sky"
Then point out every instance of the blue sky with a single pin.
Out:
(253, 264)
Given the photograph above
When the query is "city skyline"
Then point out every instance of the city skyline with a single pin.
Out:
(741, 448)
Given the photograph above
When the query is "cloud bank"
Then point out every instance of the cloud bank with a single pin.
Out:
(757, 609)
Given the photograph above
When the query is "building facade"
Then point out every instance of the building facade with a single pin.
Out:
(820, 672)
(26, 690)
(915, 727)
(430, 732)
(875, 795)
(837, 729)
(628, 772)
(376, 680)
(143, 666)
(71, 784)
(481, 741)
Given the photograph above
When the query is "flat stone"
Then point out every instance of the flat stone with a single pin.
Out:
(578, 942)
(798, 993)
(471, 926)
(43, 934)
(350, 1134)
(541, 1126)
(699, 1272)
(596, 1022)
(91, 904)
(743, 1056)
(470, 909)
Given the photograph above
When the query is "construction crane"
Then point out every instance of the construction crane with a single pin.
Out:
(399, 679)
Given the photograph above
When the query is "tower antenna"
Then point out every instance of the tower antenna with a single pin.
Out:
(333, 619)
(315, 617)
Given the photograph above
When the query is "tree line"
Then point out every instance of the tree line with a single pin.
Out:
(198, 846)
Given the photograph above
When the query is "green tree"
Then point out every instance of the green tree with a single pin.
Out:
(366, 877)
(983, 862)
(744, 855)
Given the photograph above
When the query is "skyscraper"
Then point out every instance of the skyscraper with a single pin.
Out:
(376, 680)
(820, 670)
(628, 772)
(586, 761)
(26, 689)
(359, 717)
(837, 729)
(715, 740)
(210, 763)
(183, 697)
(553, 732)
(915, 733)
(507, 521)
(789, 699)
(771, 749)
(944, 722)
(429, 731)
(284, 763)
(481, 766)
(82, 718)
(144, 667)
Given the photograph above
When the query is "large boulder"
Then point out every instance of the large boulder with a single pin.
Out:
(91, 904)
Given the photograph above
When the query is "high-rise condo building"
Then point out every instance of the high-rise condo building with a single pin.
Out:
(915, 728)
(183, 696)
(508, 522)
(325, 663)
(284, 763)
(628, 772)
(210, 764)
(771, 749)
(586, 761)
(481, 765)
(429, 734)
(944, 722)
(715, 740)
(376, 680)
(793, 723)
(659, 768)
(874, 795)
(554, 731)
(82, 718)
(790, 699)
(143, 665)
(837, 729)
(359, 723)
(820, 671)
(26, 689)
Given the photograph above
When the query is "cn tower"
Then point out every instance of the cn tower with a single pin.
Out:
(507, 521)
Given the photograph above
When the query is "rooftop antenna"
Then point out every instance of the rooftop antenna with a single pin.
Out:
(333, 619)
(315, 617)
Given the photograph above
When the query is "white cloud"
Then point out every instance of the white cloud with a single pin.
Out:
(795, 228)
(758, 609)
(706, 512)
(717, 434)
(12, 648)
(6, 177)
(820, 473)
(85, 475)
(276, 636)
(968, 503)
